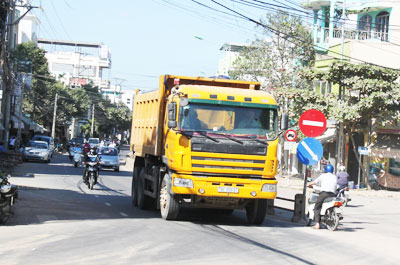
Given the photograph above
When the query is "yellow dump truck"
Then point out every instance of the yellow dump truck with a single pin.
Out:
(207, 143)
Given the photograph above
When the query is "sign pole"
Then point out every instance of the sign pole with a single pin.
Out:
(303, 213)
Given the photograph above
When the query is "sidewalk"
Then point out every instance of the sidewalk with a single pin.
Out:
(296, 183)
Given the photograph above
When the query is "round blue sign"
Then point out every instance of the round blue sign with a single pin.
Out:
(309, 151)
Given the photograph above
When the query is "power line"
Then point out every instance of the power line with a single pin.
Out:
(294, 37)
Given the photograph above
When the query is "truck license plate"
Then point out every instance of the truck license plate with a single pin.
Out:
(228, 189)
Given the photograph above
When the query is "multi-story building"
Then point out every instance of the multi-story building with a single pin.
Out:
(369, 34)
(79, 64)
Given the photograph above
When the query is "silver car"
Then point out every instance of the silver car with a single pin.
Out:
(109, 158)
(37, 151)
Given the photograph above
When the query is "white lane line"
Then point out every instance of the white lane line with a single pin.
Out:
(123, 214)
(313, 123)
(108, 204)
(96, 196)
(314, 156)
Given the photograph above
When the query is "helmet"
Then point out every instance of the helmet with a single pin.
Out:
(329, 168)
(342, 168)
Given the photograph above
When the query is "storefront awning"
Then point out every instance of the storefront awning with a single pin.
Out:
(328, 136)
(16, 122)
(32, 125)
(386, 145)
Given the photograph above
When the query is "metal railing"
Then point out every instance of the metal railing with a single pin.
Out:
(352, 34)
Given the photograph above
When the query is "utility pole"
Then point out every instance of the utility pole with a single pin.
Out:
(92, 129)
(340, 130)
(53, 128)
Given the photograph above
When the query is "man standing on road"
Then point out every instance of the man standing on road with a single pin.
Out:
(328, 185)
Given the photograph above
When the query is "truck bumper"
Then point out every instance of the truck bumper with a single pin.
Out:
(224, 187)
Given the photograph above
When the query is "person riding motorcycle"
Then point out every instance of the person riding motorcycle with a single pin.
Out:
(342, 178)
(86, 147)
(328, 185)
(86, 158)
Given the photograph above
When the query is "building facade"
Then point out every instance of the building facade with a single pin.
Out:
(367, 34)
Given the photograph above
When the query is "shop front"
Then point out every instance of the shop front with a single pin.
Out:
(384, 166)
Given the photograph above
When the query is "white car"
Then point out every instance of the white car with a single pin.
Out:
(94, 142)
(37, 151)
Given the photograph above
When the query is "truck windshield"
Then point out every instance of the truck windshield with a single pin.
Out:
(234, 120)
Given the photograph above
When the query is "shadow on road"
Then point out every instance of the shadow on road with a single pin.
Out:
(38, 205)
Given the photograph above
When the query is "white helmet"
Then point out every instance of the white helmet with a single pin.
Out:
(5, 188)
(342, 168)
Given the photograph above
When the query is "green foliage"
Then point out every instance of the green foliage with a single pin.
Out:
(371, 92)
(276, 58)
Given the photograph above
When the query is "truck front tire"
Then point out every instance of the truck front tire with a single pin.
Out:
(169, 206)
(256, 211)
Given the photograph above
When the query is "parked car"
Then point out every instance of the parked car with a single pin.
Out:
(109, 158)
(49, 140)
(94, 142)
(37, 151)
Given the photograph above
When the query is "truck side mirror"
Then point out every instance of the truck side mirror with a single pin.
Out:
(172, 115)
(284, 122)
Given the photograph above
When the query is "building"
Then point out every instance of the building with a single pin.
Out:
(368, 34)
(230, 52)
(79, 63)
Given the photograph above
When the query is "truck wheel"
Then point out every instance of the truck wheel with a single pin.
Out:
(144, 202)
(169, 207)
(256, 211)
(134, 189)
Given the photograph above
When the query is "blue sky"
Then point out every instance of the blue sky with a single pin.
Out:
(149, 38)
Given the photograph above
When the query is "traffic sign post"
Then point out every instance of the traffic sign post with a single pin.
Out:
(312, 123)
(290, 135)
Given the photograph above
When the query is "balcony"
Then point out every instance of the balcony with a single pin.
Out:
(323, 35)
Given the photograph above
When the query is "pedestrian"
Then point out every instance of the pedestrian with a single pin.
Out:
(328, 185)
(11, 145)
(2, 149)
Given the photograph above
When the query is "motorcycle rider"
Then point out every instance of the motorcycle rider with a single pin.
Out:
(328, 184)
(343, 178)
(86, 158)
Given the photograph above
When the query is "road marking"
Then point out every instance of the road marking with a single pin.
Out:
(108, 204)
(123, 214)
(314, 156)
(96, 196)
(313, 123)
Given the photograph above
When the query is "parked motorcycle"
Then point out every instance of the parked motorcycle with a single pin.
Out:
(331, 212)
(8, 196)
(344, 194)
(92, 170)
(76, 153)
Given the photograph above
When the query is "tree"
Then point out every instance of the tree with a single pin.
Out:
(372, 93)
(275, 59)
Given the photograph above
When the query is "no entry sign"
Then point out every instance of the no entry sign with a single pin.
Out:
(312, 123)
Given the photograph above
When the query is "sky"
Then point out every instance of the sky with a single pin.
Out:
(149, 38)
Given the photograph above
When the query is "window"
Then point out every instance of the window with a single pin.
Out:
(364, 27)
(382, 26)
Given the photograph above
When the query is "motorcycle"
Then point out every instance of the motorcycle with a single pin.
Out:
(8, 196)
(344, 194)
(331, 212)
(92, 171)
(76, 155)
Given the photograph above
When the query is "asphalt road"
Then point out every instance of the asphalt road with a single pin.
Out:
(59, 221)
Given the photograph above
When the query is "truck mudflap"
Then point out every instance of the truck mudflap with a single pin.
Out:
(224, 187)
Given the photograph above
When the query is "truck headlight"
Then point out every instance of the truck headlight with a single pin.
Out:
(269, 188)
(179, 182)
